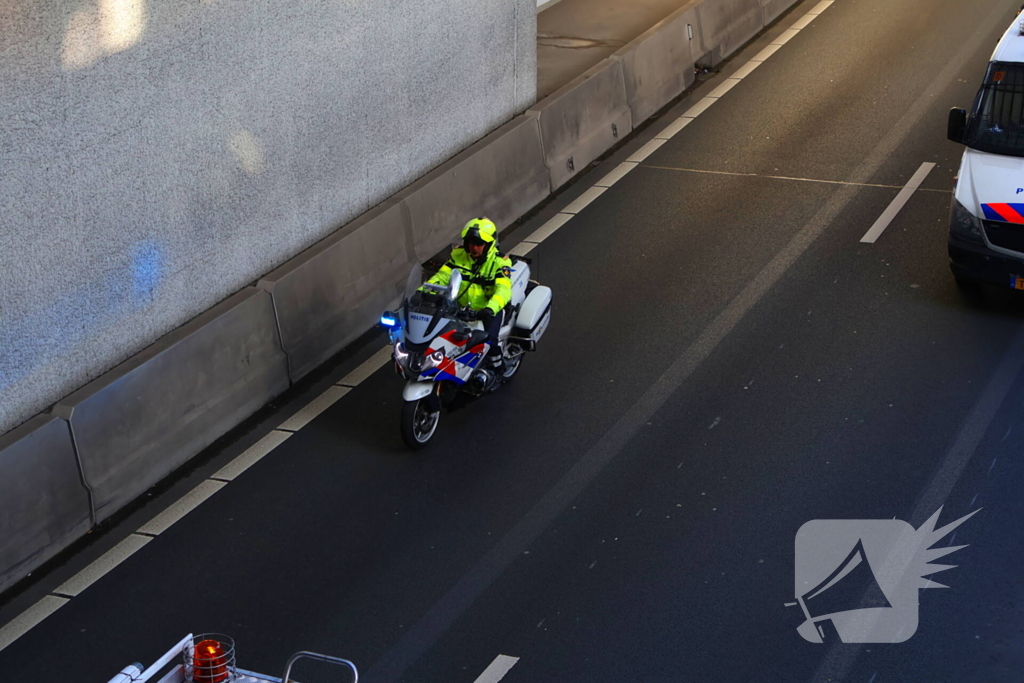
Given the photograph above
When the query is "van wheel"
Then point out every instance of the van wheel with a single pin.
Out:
(966, 284)
(970, 289)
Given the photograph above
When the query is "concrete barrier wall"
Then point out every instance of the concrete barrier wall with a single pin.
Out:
(502, 177)
(335, 290)
(658, 65)
(725, 25)
(147, 416)
(159, 155)
(592, 113)
(582, 120)
(773, 9)
(43, 504)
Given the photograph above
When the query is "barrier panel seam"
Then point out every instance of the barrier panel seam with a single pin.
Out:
(280, 336)
(81, 474)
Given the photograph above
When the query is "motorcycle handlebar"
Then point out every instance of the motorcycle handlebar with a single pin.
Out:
(468, 315)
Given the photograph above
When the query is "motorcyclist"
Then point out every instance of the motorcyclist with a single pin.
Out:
(486, 279)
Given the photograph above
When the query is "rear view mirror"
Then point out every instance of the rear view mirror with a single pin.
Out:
(956, 128)
(454, 284)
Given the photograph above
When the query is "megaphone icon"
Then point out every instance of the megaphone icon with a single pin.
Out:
(852, 585)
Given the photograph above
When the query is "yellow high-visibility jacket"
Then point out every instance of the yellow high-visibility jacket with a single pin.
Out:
(486, 283)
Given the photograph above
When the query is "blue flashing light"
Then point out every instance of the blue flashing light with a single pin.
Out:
(388, 321)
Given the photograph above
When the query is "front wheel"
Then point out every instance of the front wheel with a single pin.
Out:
(418, 423)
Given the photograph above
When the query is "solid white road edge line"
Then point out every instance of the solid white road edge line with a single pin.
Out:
(584, 200)
(803, 21)
(251, 455)
(545, 231)
(786, 36)
(27, 620)
(497, 669)
(898, 203)
(522, 249)
(674, 128)
(727, 85)
(103, 564)
(369, 366)
(186, 504)
(699, 108)
(647, 150)
(314, 408)
(622, 169)
(821, 7)
(746, 69)
(764, 54)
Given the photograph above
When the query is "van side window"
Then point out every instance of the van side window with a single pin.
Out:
(997, 119)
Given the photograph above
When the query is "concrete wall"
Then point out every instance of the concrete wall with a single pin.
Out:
(160, 155)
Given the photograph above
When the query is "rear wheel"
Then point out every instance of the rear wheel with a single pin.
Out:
(511, 362)
(418, 423)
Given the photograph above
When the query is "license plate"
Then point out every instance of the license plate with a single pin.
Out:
(1016, 282)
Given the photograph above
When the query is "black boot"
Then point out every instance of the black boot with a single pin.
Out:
(496, 367)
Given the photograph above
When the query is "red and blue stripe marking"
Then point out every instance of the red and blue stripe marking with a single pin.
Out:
(1008, 213)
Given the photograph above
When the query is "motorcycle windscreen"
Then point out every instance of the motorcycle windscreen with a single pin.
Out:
(414, 281)
(425, 305)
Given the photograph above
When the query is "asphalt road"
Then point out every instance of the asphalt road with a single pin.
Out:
(726, 361)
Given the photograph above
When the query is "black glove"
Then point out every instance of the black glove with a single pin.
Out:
(486, 315)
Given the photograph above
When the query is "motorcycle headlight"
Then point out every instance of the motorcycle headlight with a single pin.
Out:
(414, 363)
(964, 224)
(401, 356)
(432, 360)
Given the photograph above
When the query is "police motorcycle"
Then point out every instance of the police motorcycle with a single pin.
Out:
(440, 346)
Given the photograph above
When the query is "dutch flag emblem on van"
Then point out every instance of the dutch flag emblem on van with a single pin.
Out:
(1009, 213)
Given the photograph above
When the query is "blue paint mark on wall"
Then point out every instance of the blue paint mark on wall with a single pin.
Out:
(31, 341)
(147, 267)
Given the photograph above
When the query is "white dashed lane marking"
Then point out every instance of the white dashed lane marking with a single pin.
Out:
(497, 669)
(898, 203)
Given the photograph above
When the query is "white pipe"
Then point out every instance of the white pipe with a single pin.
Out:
(162, 662)
(127, 674)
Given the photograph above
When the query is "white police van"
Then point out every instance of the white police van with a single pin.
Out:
(986, 227)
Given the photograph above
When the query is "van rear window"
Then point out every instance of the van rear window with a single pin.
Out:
(997, 120)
